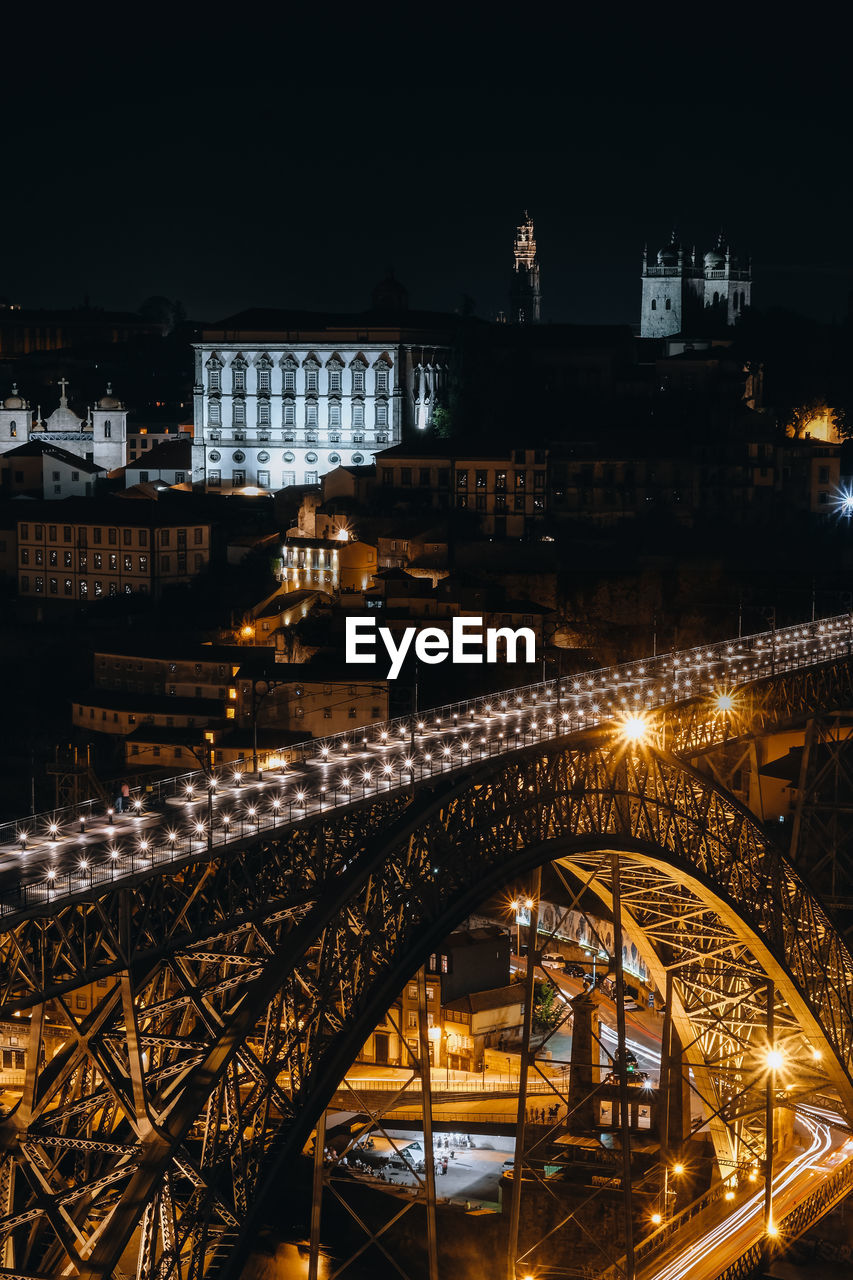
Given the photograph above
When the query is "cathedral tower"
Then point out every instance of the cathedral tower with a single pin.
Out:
(525, 296)
(692, 296)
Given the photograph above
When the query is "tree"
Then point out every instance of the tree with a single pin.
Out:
(546, 1010)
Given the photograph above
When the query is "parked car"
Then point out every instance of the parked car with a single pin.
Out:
(572, 970)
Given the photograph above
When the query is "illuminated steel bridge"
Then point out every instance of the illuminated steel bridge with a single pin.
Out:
(238, 938)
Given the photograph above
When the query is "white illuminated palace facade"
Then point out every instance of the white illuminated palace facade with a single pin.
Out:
(282, 398)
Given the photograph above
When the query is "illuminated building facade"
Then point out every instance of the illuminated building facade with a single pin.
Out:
(686, 294)
(100, 437)
(281, 399)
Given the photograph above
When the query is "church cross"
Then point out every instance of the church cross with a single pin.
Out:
(63, 382)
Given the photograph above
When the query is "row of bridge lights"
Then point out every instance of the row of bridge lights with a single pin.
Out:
(635, 729)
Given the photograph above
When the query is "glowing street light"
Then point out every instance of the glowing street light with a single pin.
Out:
(635, 729)
(775, 1059)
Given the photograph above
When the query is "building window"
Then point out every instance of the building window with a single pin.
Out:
(238, 479)
(311, 382)
(238, 378)
(263, 380)
(52, 586)
(214, 414)
(52, 557)
(382, 415)
(214, 479)
(264, 479)
(382, 382)
(84, 587)
(654, 304)
(358, 415)
(289, 381)
(214, 378)
(97, 559)
(462, 480)
(310, 477)
(13, 429)
(358, 382)
(288, 477)
(334, 382)
(108, 429)
(334, 415)
(25, 555)
(68, 586)
(143, 477)
(239, 413)
(311, 419)
(263, 413)
(39, 584)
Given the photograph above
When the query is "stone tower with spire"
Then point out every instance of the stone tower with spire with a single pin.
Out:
(525, 295)
(693, 297)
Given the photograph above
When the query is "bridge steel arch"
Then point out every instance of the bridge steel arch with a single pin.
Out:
(240, 990)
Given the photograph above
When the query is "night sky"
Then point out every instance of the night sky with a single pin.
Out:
(264, 159)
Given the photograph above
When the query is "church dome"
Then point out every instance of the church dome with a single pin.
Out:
(14, 401)
(109, 401)
(390, 295)
(715, 259)
(63, 418)
(668, 255)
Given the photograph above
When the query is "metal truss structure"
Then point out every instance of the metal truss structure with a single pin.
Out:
(234, 990)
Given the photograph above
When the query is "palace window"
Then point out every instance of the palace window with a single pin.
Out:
(311, 416)
(310, 477)
(654, 304)
(264, 479)
(382, 415)
(239, 413)
(238, 378)
(290, 415)
(311, 382)
(263, 413)
(334, 382)
(382, 382)
(334, 415)
(289, 381)
(214, 479)
(214, 378)
(108, 430)
(264, 381)
(358, 382)
(287, 477)
(358, 414)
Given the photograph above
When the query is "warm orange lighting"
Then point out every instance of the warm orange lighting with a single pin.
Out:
(678, 1168)
(232, 694)
(775, 1059)
(635, 729)
(247, 632)
(724, 702)
(772, 1229)
(657, 1219)
(730, 1195)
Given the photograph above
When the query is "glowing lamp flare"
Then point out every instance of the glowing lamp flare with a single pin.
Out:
(636, 730)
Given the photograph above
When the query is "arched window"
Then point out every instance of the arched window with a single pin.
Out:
(108, 429)
(716, 298)
(668, 304)
(654, 304)
(13, 429)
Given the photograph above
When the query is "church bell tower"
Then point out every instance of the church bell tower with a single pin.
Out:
(526, 298)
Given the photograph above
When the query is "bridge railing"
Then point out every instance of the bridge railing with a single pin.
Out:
(568, 702)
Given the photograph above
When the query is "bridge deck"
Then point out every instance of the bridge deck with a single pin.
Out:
(48, 858)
